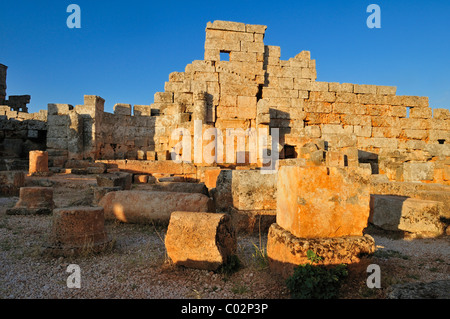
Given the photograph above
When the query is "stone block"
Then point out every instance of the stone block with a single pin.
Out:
(77, 230)
(200, 240)
(225, 25)
(285, 251)
(122, 109)
(365, 89)
(406, 214)
(386, 90)
(121, 179)
(340, 87)
(441, 114)
(180, 187)
(322, 201)
(420, 112)
(163, 97)
(252, 221)
(415, 172)
(58, 109)
(95, 169)
(38, 163)
(11, 182)
(252, 190)
(33, 201)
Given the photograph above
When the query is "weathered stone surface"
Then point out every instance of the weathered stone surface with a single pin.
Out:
(140, 179)
(323, 201)
(96, 169)
(416, 172)
(406, 214)
(76, 230)
(421, 290)
(200, 240)
(38, 163)
(151, 206)
(245, 190)
(121, 179)
(285, 251)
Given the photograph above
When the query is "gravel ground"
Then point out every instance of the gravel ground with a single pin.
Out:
(136, 266)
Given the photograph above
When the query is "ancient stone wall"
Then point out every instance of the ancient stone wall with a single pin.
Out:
(243, 84)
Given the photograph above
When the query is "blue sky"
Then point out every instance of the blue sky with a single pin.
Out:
(125, 50)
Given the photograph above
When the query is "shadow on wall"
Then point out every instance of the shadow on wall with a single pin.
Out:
(18, 138)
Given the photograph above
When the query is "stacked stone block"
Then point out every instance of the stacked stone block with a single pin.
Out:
(319, 208)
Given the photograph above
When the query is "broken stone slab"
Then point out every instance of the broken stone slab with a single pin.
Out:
(121, 179)
(400, 213)
(285, 251)
(151, 206)
(33, 201)
(200, 240)
(179, 187)
(321, 201)
(78, 230)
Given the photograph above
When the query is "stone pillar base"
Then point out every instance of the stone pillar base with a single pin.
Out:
(33, 201)
(78, 230)
(285, 251)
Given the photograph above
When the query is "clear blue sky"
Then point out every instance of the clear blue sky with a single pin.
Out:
(125, 50)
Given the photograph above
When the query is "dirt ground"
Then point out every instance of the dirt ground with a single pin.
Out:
(136, 265)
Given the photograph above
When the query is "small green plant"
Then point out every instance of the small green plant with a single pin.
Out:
(316, 281)
(239, 289)
(260, 257)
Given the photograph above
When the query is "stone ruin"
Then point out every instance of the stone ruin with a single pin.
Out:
(348, 154)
